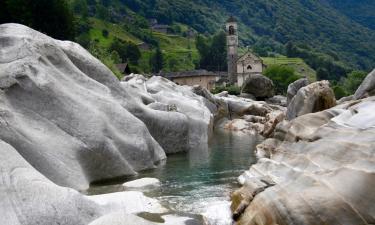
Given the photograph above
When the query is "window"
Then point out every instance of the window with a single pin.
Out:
(249, 67)
(231, 30)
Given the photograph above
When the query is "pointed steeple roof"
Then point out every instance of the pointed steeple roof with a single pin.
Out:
(232, 20)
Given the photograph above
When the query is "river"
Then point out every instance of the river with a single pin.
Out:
(204, 177)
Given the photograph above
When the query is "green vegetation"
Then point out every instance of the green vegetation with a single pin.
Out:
(281, 76)
(348, 85)
(232, 90)
(300, 67)
(52, 17)
(213, 52)
(267, 26)
(157, 61)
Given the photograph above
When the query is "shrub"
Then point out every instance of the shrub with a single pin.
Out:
(232, 90)
(281, 76)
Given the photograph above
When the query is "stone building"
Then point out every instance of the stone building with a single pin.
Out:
(247, 65)
(239, 67)
(203, 78)
(232, 49)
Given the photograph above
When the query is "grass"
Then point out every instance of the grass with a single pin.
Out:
(179, 52)
(115, 31)
(301, 68)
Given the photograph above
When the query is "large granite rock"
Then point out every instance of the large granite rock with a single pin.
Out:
(318, 169)
(66, 113)
(315, 97)
(259, 86)
(367, 88)
(294, 87)
(177, 118)
(66, 121)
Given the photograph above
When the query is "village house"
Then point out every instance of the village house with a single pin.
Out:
(203, 78)
(123, 68)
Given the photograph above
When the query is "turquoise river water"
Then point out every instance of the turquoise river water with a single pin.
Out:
(193, 181)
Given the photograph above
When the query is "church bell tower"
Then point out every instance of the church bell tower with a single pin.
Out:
(232, 48)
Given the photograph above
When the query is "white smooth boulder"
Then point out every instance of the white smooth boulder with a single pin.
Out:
(65, 112)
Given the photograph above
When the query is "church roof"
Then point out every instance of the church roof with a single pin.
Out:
(232, 20)
(249, 54)
(193, 73)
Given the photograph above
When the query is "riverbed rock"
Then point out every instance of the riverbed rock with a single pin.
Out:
(28, 197)
(315, 97)
(121, 218)
(259, 86)
(294, 87)
(249, 116)
(130, 202)
(367, 88)
(319, 171)
(277, 100)
(142, 184)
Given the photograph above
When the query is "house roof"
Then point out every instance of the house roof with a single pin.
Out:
(123, 67)
(160, 26)
(192, 73)
(232, 20)
(249, 54)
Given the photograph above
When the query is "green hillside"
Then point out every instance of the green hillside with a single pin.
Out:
(299, 66)
(269, 25)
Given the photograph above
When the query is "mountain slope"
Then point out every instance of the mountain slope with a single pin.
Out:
(361, 11)
(272, 23)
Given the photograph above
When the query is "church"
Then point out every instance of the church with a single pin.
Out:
(240, 67)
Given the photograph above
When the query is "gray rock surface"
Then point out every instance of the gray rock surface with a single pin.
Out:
(66, 121)
(367, 88)
(315, 97)
(278, 100)
(294, 87)
(319, 169)
(66, 113)
(259, 86)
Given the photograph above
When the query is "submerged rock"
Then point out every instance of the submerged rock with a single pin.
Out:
(128, 202)
(319, 170)
(315, 97)
(259, 86)
(142, 184)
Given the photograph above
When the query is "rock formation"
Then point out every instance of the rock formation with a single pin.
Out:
(294, 87)
(317, 169)
(315, 97)
(66, 121)
(249, 116)
(259, 86)
(367, 87)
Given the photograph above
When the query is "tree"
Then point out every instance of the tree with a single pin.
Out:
(52, 17)
(127, 51)
(353, 80)
(281, 76)
(213, 52)
(157, 61)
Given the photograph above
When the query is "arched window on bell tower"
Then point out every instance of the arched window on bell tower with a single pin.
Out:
(232, 30)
